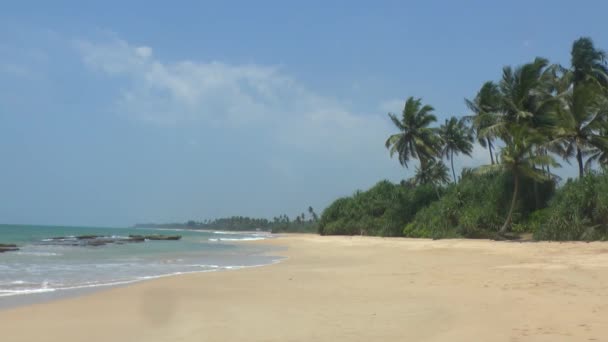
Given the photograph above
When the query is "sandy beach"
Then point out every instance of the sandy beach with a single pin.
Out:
(351, 289)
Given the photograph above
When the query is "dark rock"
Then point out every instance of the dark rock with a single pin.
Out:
(96, 243)
(157, 237)
(88, 237)
(102, 240)
(8, 247)
(136, 238)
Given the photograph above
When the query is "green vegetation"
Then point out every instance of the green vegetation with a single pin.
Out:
(382, 210)
(579, 211)
(477, 205)
(534, 115)
(282, 224)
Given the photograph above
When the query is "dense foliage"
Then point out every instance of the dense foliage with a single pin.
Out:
(383, 210)
(477, 205)
(579, 211)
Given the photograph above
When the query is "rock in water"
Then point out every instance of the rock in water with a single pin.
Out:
(156, 237)
(8, 247)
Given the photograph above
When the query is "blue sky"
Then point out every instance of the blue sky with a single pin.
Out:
(115, 113)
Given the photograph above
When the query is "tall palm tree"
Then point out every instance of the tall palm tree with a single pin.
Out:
(525, 123)
(580, 123)
(517, 157)
(583, 114)
(484, 106)
(415, 138)
(456, 138)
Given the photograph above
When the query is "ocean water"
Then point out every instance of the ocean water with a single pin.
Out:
(46, 266)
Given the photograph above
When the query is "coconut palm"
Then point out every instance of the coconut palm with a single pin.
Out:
(588, 63)
(580, 122)
(526, 96)
(582, 116)
(528, 107)
(527, 99)
(518, 159)
(432, 172)
(484, 106)
(415, 138)
(456, 138)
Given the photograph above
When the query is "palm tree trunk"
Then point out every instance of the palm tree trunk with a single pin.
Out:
(579, 158)
(452, 162)
(507, 223)
(490, 148)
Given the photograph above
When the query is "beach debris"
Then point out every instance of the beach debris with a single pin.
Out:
(4, 247)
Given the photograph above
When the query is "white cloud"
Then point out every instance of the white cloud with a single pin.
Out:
(188, 90)
(224, 94)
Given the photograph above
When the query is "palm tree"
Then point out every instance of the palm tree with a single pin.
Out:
(580, 123)
(525, 123)
(313, 215)
(581, 116)
(518, 159)
(415, 138)
(485, 106)
(432, 172)
(526, 100)
(526, 97)
(456, 138)
(588, 63)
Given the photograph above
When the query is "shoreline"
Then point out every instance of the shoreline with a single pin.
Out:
(346, 288)
(57, 294)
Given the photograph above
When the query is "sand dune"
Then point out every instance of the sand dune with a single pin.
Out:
(351, 289)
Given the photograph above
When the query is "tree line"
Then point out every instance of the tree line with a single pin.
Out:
(302, 223)
(535, 116)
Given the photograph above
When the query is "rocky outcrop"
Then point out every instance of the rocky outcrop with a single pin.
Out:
(89, 237)
(89, 240)
(156, 237)
(101, 240)
(8, 247)
(137, 238)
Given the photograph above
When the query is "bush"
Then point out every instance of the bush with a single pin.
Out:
(474, 208)
(382, 210)
(579, 211)
(477, 207)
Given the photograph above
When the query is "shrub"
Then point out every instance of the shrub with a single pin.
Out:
(382, 210)
(579, 211)
(477, 206)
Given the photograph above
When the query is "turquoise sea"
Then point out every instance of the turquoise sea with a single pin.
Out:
(44, 266)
